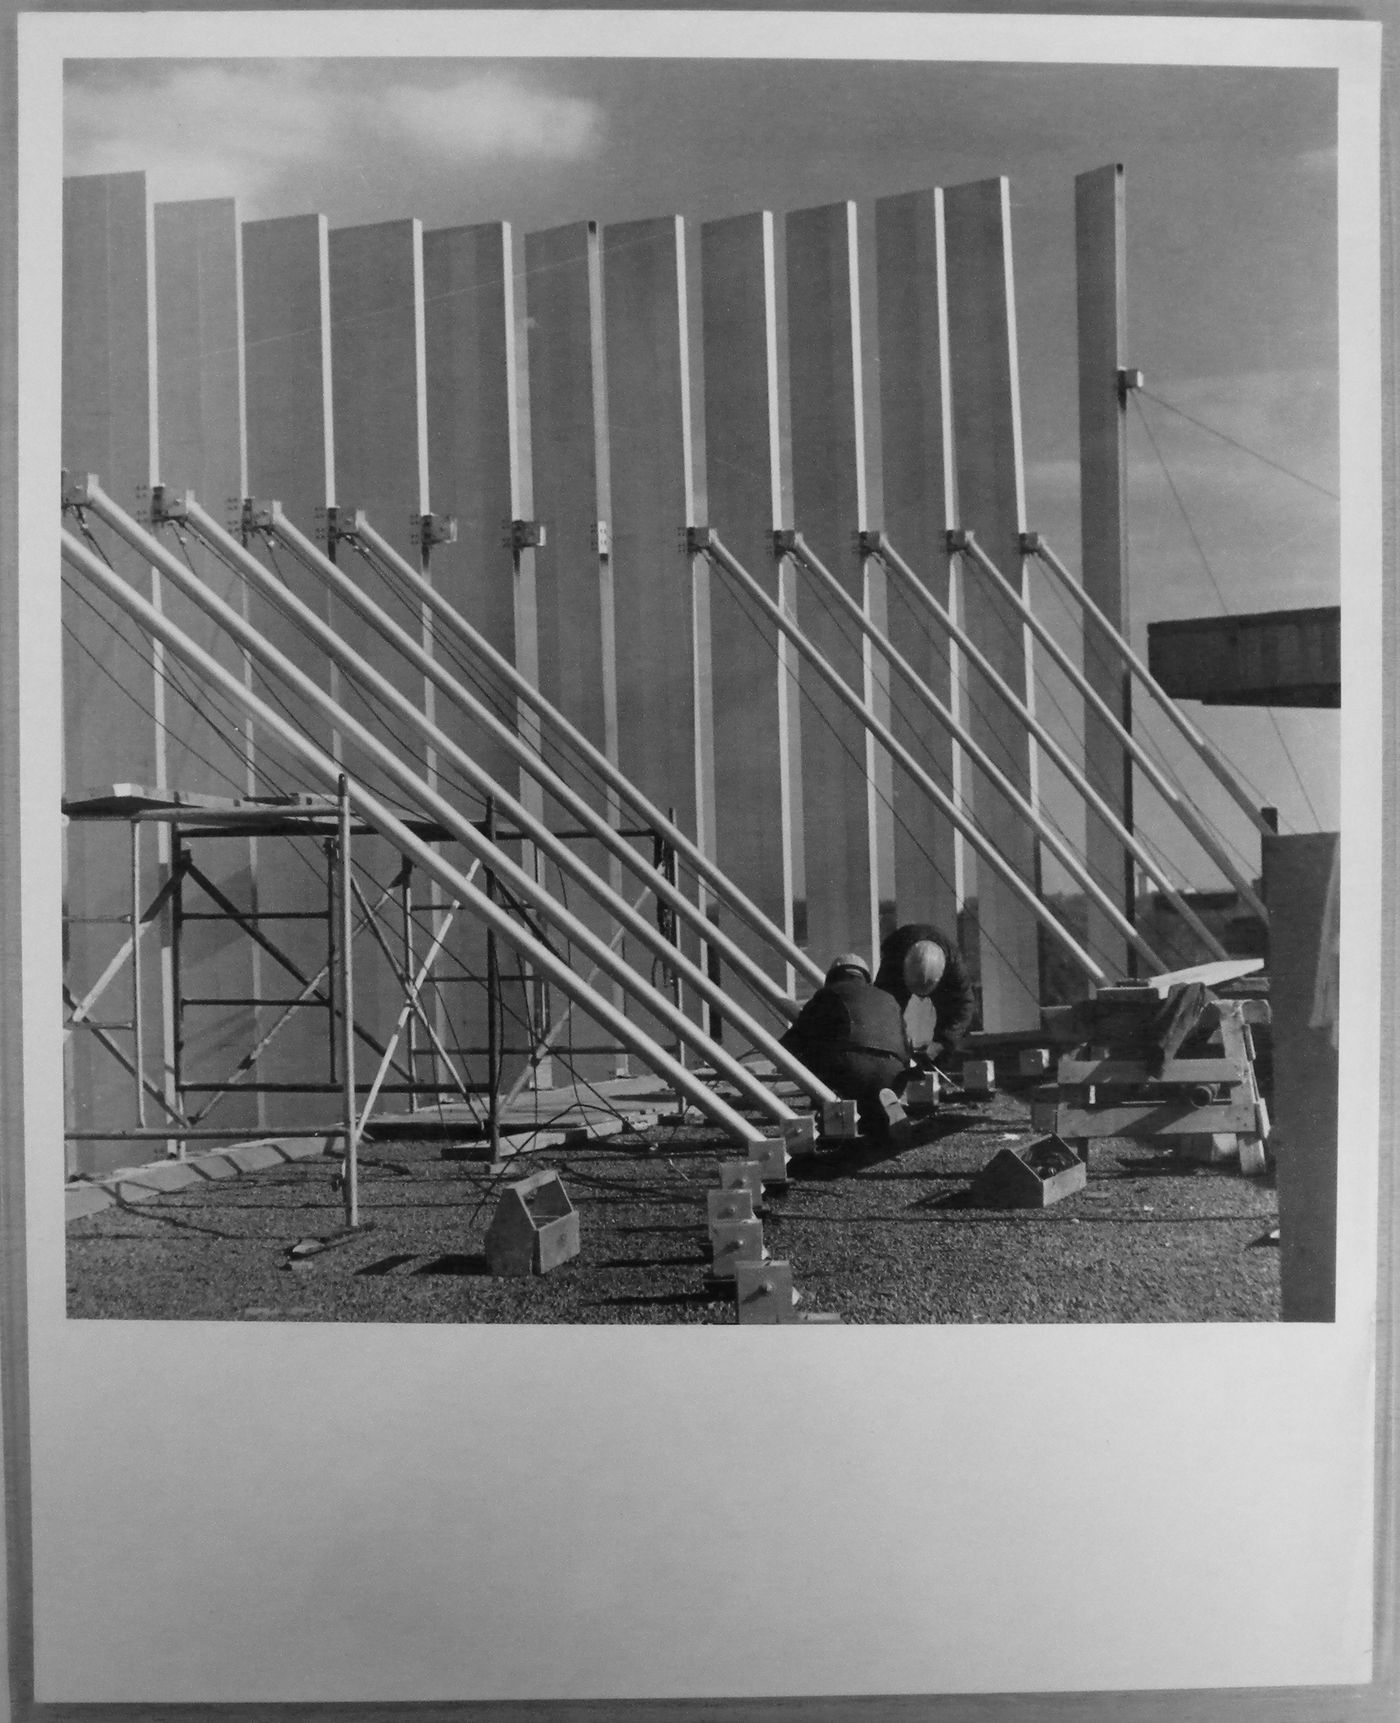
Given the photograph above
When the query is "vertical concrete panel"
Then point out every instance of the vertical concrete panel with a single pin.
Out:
(199, 367)
(748, 459)
(573, 496)
(480, 471)
(836, 491)
(381, 465)
(991, 502)
(1101, 276)
(286, 301)
(916, 439)
(109, 693)
(1301, 889)
(656, 440)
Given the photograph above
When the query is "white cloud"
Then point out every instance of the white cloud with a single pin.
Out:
(491, 116)
(204, 131)
(248, 130)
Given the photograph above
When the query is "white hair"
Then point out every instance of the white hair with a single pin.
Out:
(923, 967)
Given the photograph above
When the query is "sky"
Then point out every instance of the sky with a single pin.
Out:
(1231, 209)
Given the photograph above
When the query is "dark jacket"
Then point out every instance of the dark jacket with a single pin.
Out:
(953, 999)
(848, 1015)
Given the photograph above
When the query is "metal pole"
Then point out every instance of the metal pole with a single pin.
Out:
(709, 541)
(411, 1026)
(1052, 749)
(1037, 547)
(138, 1032)
(177, 1007)
(493, 1004)
(390, 827)
(351, 1181)
(526, 757)
(646, 811)
(521, 882)
(972, 748)
(1171, 792)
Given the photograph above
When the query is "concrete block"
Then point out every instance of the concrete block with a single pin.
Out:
(733, 1242)
(742, 1176)
(979, 1076)
(728, 1208)
(763, 1293)
(800, 1134)
(838, 1120)
(772, 1158)
(1033, 1061)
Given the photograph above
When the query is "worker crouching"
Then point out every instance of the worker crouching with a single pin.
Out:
(850, 1033)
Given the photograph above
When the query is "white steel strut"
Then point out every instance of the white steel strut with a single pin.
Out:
(90, 494)
(321, 766)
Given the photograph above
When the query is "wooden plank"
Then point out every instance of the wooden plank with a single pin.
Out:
(749, 488)
(291, 457)
(917, 453)
(199, 363)
(991, 502)
(1101, 279)
(111, 697)
(834, 379)
(1302, 887)
(573, 496)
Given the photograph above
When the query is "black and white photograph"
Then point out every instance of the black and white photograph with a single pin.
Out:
(753, 727)
(683, 672)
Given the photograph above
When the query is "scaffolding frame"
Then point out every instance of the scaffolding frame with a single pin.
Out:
(348, 913)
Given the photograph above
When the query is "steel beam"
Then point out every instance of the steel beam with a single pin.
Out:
(1017, 707)
(1018, 888)
(554, 723)
(406, 781)
(403, 839)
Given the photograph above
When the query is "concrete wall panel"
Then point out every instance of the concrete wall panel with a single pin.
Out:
(991, 502)
(749, 486)
(917, 451)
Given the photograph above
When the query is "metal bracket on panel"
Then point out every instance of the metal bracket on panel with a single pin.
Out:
(870, 542)
(697, 540)
(169, 505)
(431, 529)
(257, 515)
(1128, 380)
(957, 538)
(78, 489)
(785, 541)
(525, 535)
(600, 535)
(1028, 543)
(342, 523)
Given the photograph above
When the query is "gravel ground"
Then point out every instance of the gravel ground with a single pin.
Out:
(872, 1235)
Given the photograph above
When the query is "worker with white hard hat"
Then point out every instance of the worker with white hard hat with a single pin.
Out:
(850, 1033)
